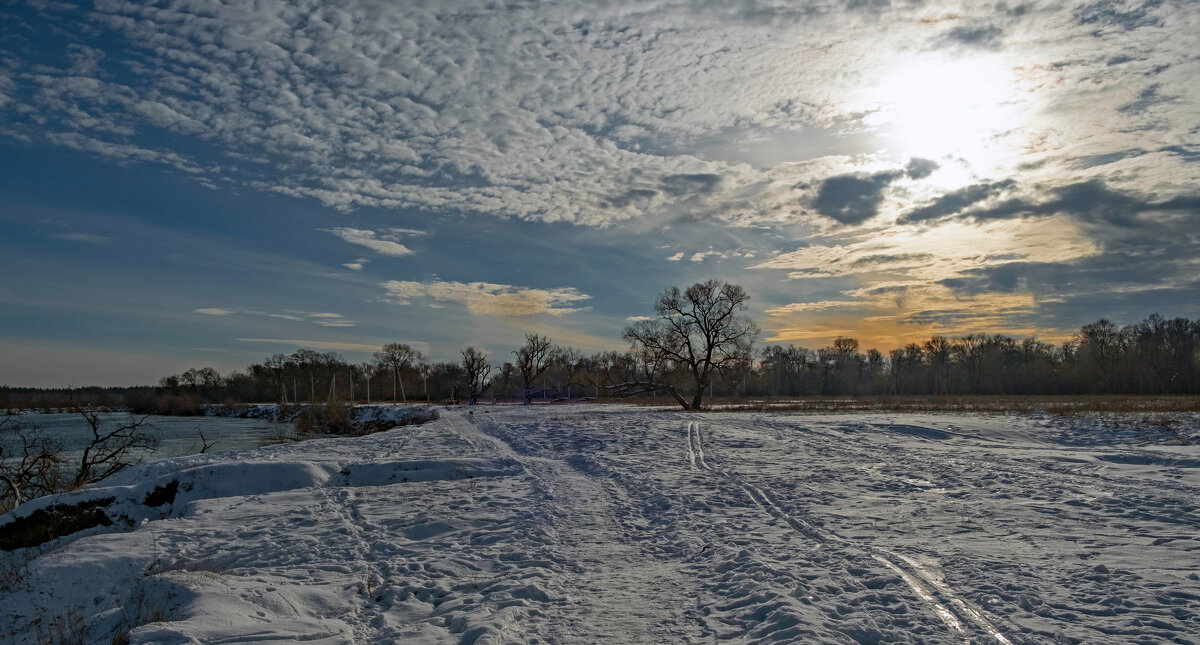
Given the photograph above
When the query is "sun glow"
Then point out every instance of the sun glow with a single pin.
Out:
(960, 110)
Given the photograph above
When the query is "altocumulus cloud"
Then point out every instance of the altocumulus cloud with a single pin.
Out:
(606, 112)
(551, 111)
(485, 298)
(371, 240)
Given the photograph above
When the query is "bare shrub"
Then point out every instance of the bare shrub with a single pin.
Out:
(33, 464)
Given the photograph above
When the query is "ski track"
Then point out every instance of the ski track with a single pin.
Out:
(934, 592)
(583, 524)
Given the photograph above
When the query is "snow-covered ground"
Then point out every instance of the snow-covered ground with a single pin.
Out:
(588, 524)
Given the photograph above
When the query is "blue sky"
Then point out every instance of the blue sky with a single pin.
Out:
(206, 183)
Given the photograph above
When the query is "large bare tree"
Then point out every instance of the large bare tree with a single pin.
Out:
(475, 364)
(533, 358)
(397, 357)
(700, 330)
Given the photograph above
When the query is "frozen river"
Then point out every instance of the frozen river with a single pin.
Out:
(178, 436)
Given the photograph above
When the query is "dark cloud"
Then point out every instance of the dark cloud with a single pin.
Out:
(1089, 202)
(871, 5)
(918, 168)
(679, 185)
(1125, 285)
(631, 197)
(1119, 13)
(984, 36)
(954, 202)
(1147, 99)
(871, 260)
(853, 199)
(885, 289)
(1092, 161)
(1004, 278)
(1141, 263)
(967, 320)
(691, 184)
(1187, 152)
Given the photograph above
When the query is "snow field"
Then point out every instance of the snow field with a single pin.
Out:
(584, 524)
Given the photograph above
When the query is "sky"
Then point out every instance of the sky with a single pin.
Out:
(197, 183)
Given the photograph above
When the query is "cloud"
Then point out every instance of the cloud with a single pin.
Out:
(918, 168)
(700, 256)
(956, 201)
(407, 232)
(887, 324)
(538, 113)
(676, 257)
(1147, 99)
(321, 319)
(855, 198)
(813, 306)
(483, 298)
(1104, 159)
(649, 112)
(940, 252)
(124, 152)
(371, 240)
(690, 184)
(986, 36)
(330, 320)
(1090, 202)
(318, 344)
(88, 238)
(1107, 14)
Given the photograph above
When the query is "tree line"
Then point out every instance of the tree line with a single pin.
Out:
(700, 343)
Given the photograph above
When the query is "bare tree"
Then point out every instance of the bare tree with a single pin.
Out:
(567, 363)
(112, 448)
(33, 465)
(938, 353)
(508, 372)
(397, 357)
(478, 369)
(532, 360)
(700, 330)
(306, 362)
(30, 463)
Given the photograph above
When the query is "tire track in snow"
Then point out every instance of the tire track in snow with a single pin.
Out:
(925, 585)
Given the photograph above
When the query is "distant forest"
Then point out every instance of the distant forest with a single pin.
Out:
(1155, 356)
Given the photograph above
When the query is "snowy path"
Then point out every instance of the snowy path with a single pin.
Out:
(584, 524)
